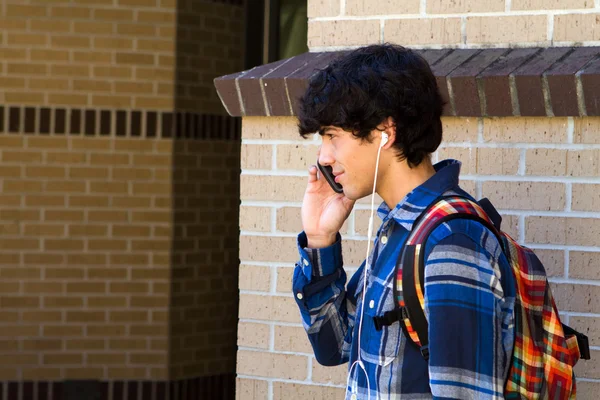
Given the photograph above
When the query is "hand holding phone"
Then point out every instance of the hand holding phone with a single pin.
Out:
(323, 211)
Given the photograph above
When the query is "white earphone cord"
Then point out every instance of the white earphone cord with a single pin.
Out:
(365, 273)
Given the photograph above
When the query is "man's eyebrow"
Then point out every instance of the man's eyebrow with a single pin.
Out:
(324, 130)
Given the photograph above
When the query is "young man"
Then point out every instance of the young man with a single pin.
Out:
(469, 288)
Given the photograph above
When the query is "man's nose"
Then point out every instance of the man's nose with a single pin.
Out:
(324, 156)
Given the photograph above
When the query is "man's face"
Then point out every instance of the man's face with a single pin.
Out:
(352, 159)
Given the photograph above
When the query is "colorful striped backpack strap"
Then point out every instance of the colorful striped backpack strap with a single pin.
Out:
(410, 272)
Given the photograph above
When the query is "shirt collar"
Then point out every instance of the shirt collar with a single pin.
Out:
(446, 177)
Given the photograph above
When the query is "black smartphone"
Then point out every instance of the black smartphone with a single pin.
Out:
(327, 172)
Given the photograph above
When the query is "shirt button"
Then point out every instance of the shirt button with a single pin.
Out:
(372, 304)
(353, 397)
(305, 262)
(384, 239)
(299, 296)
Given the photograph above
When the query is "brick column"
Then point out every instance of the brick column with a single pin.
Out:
(119, 178)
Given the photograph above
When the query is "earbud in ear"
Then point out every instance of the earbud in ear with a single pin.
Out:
(384, 139)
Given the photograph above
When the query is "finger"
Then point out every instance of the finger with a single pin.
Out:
(312, 174)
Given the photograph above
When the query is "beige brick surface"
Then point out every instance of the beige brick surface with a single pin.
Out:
(526, 195)
(563, 231)
(284, 280)
(553, 260)
(498, 161)
(589, 326)
(586, 197)
(289, 220)
(525, 130)
(550, 5)
(261, 248)
(253, 335)
(576, 298)
(460, 129)
(268, 308)
(257, 156)
(510, 225)
(464, 6)
(323, 8)
(296, 156)
(584, 265)
(254, 277)
(272, 365)
(576, 27)
(507, 29)
(446, 31)
(273, 188)
(292, 338)
(585, 130)
(588, 370)
(270, 128)
(583, 163)
(247, 389)
(586, 389)
(467, 156)
(282, 391)
(384, 7)
(329, 375)
(342, 33)
(546, 162)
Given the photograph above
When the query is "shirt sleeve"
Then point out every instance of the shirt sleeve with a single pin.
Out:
(463, 297)
(327, 311)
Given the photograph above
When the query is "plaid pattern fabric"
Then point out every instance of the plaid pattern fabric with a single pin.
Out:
(467, 279)
(543, 357)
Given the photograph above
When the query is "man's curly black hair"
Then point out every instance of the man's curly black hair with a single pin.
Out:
(361, 89)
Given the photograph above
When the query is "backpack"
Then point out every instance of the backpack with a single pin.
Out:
(545, 350)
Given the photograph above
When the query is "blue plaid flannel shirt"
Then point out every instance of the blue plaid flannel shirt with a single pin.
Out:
(469, 304)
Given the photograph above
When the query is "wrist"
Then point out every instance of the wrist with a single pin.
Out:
(320, 241)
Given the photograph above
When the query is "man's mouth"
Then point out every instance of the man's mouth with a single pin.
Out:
(337, 176)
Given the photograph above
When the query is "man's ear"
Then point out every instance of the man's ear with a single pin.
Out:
(389, 125)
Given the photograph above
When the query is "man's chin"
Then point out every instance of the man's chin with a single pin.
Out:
(353, 195)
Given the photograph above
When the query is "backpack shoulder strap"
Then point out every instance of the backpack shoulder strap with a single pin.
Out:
(411, 276)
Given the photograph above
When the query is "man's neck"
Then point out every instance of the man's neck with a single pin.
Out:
(398, 180)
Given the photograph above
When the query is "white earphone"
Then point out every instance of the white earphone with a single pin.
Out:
(361, 365)
(384, 139)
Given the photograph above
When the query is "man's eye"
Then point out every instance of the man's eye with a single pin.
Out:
(329, 136)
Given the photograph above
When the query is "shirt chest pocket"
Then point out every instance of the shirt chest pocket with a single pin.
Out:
(379, 347)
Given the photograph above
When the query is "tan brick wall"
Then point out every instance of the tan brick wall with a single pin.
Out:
(466, 23)
(118, 257)
(542, 173)
(148, 54)
(85, 264)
